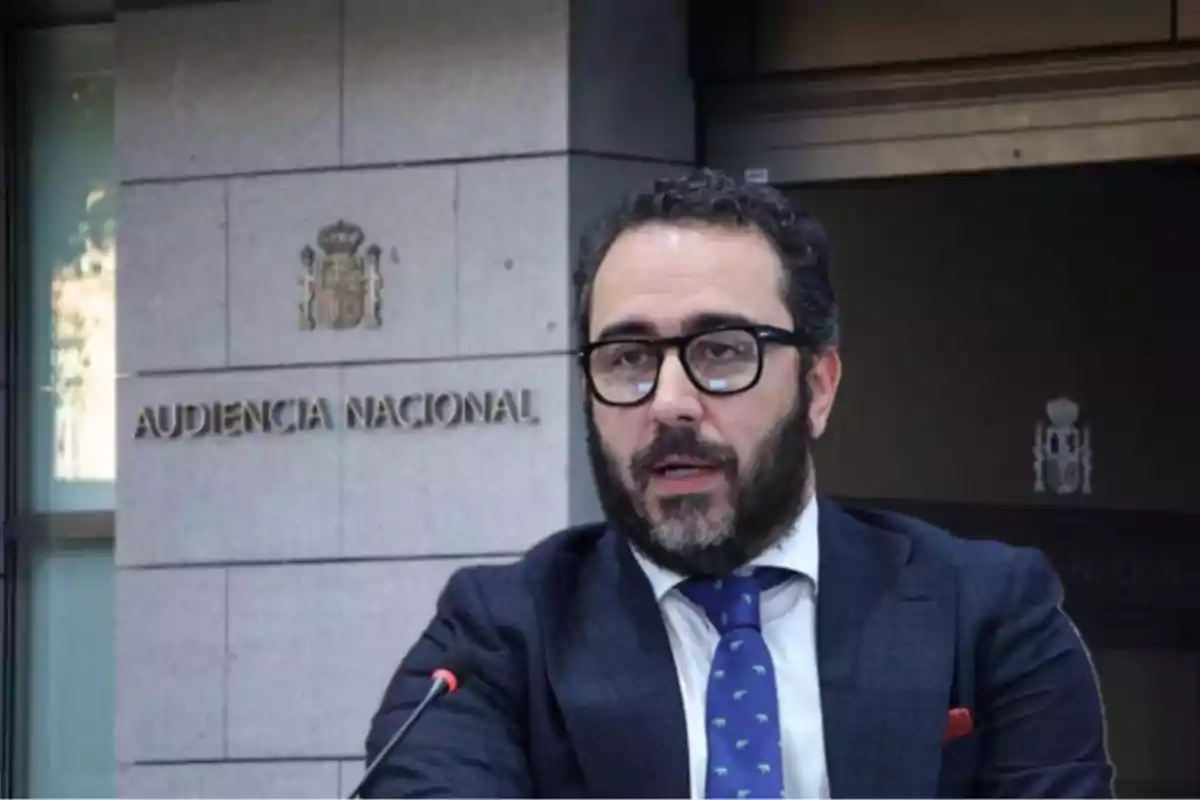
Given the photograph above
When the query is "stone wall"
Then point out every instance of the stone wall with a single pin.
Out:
(269, 582)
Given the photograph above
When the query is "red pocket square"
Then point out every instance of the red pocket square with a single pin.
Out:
(958, 724)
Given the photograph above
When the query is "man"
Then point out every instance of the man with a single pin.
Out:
(725, 633)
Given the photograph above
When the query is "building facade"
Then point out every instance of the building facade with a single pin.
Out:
(289, 320)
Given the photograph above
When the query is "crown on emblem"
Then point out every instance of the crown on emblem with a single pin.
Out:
(340, 237)
(1062, 411)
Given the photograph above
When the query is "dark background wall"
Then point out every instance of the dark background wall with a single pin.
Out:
(769, 37)
(969, 301)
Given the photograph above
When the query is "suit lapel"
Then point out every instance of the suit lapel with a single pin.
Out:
(613, 673)
(885, 653)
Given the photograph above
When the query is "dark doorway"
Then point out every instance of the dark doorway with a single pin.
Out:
(970, 302)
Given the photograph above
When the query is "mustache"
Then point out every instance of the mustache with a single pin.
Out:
(680, 441)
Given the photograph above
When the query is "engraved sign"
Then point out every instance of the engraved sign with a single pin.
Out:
(290, 415)
(340, 289)
(1062, 451)
(447, 409)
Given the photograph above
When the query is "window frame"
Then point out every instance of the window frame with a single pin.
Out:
(8, 416)
(21, 528)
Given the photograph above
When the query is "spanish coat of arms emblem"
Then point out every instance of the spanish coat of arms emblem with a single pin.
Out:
(340, 288)
(1062, 451)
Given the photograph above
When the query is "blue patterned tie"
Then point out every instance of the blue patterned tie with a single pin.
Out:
(741, 714)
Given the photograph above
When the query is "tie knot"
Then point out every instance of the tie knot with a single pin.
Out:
(732, 601)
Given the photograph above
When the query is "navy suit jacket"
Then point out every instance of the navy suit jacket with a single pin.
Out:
(576, 693)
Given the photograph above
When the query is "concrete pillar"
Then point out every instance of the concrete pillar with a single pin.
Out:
(269, 583)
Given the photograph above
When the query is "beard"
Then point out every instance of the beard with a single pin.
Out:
(698, 534)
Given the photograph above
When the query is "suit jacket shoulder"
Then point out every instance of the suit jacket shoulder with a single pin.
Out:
(502, 607)
(569, 647)
(985, 569)
(1018, 663)
(515, 590)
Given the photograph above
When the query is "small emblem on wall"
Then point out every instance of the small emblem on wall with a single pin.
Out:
(1062, 451)
(340, 289)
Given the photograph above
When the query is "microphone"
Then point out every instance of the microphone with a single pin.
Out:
(457, 668)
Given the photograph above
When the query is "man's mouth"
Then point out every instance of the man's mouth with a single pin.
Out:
(679, 471)
(683, 474)
(682, 466)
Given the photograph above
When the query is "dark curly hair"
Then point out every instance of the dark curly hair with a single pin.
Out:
(708, 196)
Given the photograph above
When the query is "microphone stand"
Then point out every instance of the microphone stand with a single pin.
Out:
(439, 686)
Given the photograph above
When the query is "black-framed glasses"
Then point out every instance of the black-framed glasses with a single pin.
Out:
(729, 360)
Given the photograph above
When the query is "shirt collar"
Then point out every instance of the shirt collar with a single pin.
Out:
(796, 551)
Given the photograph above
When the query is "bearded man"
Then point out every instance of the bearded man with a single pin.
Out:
(726, 632)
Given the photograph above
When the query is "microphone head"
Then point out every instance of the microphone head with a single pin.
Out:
(458, 666)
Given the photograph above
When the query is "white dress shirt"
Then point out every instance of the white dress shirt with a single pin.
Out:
(789, 627)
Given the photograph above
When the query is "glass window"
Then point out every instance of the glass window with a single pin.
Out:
(72, 672)
(69, 207)
(66, 199)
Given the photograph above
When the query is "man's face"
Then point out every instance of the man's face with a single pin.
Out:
(746, 455)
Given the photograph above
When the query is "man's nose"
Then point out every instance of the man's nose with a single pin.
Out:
(676, 398)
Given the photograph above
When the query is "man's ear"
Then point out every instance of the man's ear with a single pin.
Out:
(823, 380)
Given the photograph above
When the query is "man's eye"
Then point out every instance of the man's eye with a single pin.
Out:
(721, 351)
(631, 358)
(626, 357)
(718, 350)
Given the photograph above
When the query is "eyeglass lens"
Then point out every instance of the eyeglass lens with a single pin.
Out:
(721, 362)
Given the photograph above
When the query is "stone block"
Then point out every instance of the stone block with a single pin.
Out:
(312, 647)
(170, 664)
(407, 212)
(228, 88)
(316, 779)
(454, 79)
(631, 89)
(227, 498)
(514, 257)
(171, 277)
(465, 489)
(350, 774)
